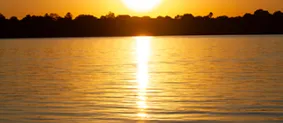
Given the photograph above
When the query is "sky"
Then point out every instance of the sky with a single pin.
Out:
(20, 8)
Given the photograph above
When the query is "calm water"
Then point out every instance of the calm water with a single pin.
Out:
(180, 79)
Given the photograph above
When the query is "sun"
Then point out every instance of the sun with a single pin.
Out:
(141, 5)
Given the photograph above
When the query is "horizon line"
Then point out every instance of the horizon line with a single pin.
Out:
(153, 17)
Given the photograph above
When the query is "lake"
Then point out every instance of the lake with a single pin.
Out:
(142, 79)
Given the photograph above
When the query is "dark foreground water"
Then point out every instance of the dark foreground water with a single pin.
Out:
(143, 79)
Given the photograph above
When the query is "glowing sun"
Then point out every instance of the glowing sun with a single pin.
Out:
(141, 5)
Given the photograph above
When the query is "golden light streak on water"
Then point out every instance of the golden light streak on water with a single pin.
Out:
(143, 53)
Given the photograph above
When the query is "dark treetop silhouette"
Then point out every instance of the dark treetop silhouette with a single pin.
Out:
(52, 25)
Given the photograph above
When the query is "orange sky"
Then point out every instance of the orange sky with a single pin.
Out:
(168, 7)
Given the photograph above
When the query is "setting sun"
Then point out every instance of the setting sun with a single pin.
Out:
(141, 5)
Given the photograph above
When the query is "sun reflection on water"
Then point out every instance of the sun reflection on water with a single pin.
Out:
(143, 53)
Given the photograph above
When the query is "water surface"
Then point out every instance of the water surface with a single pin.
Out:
(169, 79)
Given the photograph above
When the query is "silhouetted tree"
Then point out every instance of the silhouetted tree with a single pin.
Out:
(178, 17)
(210, 15)
(222, 18)
(14, 19)
(27, 18)
(168, 18)
(278, 14)
(123, 17)
(261, 13)
(53, 25)
(55, 16)
(160, 17)
(110, 15)
(2, 17)
(277, 22)
(187, 17)
(68, 16)
(85, 18)
(248, 16)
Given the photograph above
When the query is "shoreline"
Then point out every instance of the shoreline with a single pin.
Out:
(113, 36)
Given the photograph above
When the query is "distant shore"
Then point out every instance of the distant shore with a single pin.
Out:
(110, 25)
(145, 35)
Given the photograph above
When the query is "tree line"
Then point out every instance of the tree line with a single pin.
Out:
(53, 25)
